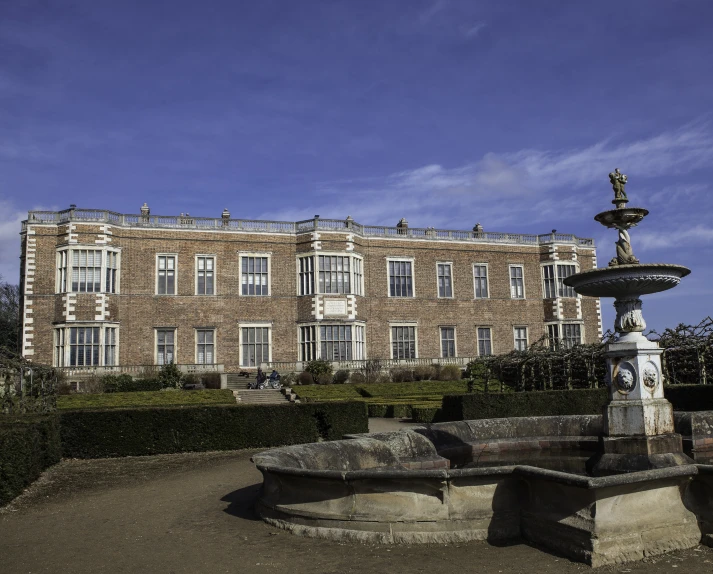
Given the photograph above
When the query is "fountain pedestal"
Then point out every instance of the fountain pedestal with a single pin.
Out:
(638, 421)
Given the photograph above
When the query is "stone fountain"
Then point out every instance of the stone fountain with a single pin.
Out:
(638, 421)
(524, 478)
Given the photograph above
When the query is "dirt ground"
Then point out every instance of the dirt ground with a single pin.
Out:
(192, 513)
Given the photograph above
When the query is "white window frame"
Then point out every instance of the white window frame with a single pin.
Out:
(413, 324)
(556, 278)
(477, 340)
(560, 331)
(66, 251)
(196, 343)
(195, 271)
(175, 275)
(510, 278)
(268, 256)
(455, 339)
(438, 287)
(263, 325)
(515, 338)
(155, 344)
(61, 353)
(317, 341)
(487, 280)
(356, 288)
(412, 261)
(559, 280)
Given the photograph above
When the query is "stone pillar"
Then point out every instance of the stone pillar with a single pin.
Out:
(402, 226)
(225, 216)
(145, 212)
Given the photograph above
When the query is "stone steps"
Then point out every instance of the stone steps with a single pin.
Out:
(259, 396)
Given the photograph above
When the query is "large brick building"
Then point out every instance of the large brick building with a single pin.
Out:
(102, 290)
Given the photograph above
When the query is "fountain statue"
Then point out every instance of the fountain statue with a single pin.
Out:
(639, 424)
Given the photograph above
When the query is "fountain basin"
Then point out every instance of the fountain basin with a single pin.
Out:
(426, 484)
(623, 217)
(626, 281)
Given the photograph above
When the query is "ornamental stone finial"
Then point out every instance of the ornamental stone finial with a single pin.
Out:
(618, 181)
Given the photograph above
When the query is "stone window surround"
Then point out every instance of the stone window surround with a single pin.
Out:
(258, 324)
(195, 274)
(514, 334)
(84, 246)
(510, 278)
(318, 336)
(215, 344)
(413, 324)
(175, 275)
(555, 264)
(411, 260)
(102, 325)
(477, 340)
(580, 322)
(266, 254)
(455, 338)
(487, 278)
(175, 342)
(315, 271)
(453, 291)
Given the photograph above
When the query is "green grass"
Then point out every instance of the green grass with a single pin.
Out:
(145, 399)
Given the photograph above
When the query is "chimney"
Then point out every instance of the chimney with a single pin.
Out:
(402, 226)
(225, 216)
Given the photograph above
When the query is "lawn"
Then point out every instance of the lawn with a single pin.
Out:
(145, 399)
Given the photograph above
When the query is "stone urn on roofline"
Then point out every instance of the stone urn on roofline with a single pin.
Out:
(638, 420)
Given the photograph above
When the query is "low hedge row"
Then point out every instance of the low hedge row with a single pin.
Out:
(28, 445)
(144, 399)
(165, 430)
(690, 397)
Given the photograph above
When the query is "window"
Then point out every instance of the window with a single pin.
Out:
(110, 357)
(62, 271)
(308, 343)
(59, 347)
(83, 346)
(166, 275)
(548, 274)
(571, 335)
(517, 284)
(112, 264)
(205, 346)
(400, 279)
(485, 345)
(306, 275)
(86, 270)
(334, 274)
(564, 271)
(359, 343)
(336, 342)
(205, 275)
(480, 277)
(254, 275)
(520, 338)
(255, 346)
(448, 342)
(358, 276)
(445, 284)
(165, 346)
(403, 342)
(554, 274)
(553, 336)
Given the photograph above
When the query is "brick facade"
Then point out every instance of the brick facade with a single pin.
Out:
(138, 311)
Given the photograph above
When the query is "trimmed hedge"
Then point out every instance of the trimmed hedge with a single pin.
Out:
(144, 399)
(28, 445)
(426, 414)
(165, 430)
(690, 397)
(525, 404)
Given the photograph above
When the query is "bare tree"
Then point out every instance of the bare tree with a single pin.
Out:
(9, 315)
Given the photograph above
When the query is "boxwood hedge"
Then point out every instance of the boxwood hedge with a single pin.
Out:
(162, 430)
(28, 445)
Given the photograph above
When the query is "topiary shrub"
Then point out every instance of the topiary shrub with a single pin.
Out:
(424, 373)
(402, 375)
(357, 379)
(211, 380)
(449, 373)
(170, 376)
(319, 367)
(92, 385)
(288, 379)
(383, 378)
(324, 379)
(341, 376)
(305, 378)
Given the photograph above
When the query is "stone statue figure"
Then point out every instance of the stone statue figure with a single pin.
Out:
(618, 181)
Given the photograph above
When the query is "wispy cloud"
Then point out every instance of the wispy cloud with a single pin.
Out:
(428, 14)
(473, 31)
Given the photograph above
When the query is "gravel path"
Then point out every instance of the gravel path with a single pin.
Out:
(192, 513)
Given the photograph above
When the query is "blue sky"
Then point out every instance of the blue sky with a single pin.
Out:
(508, 113)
